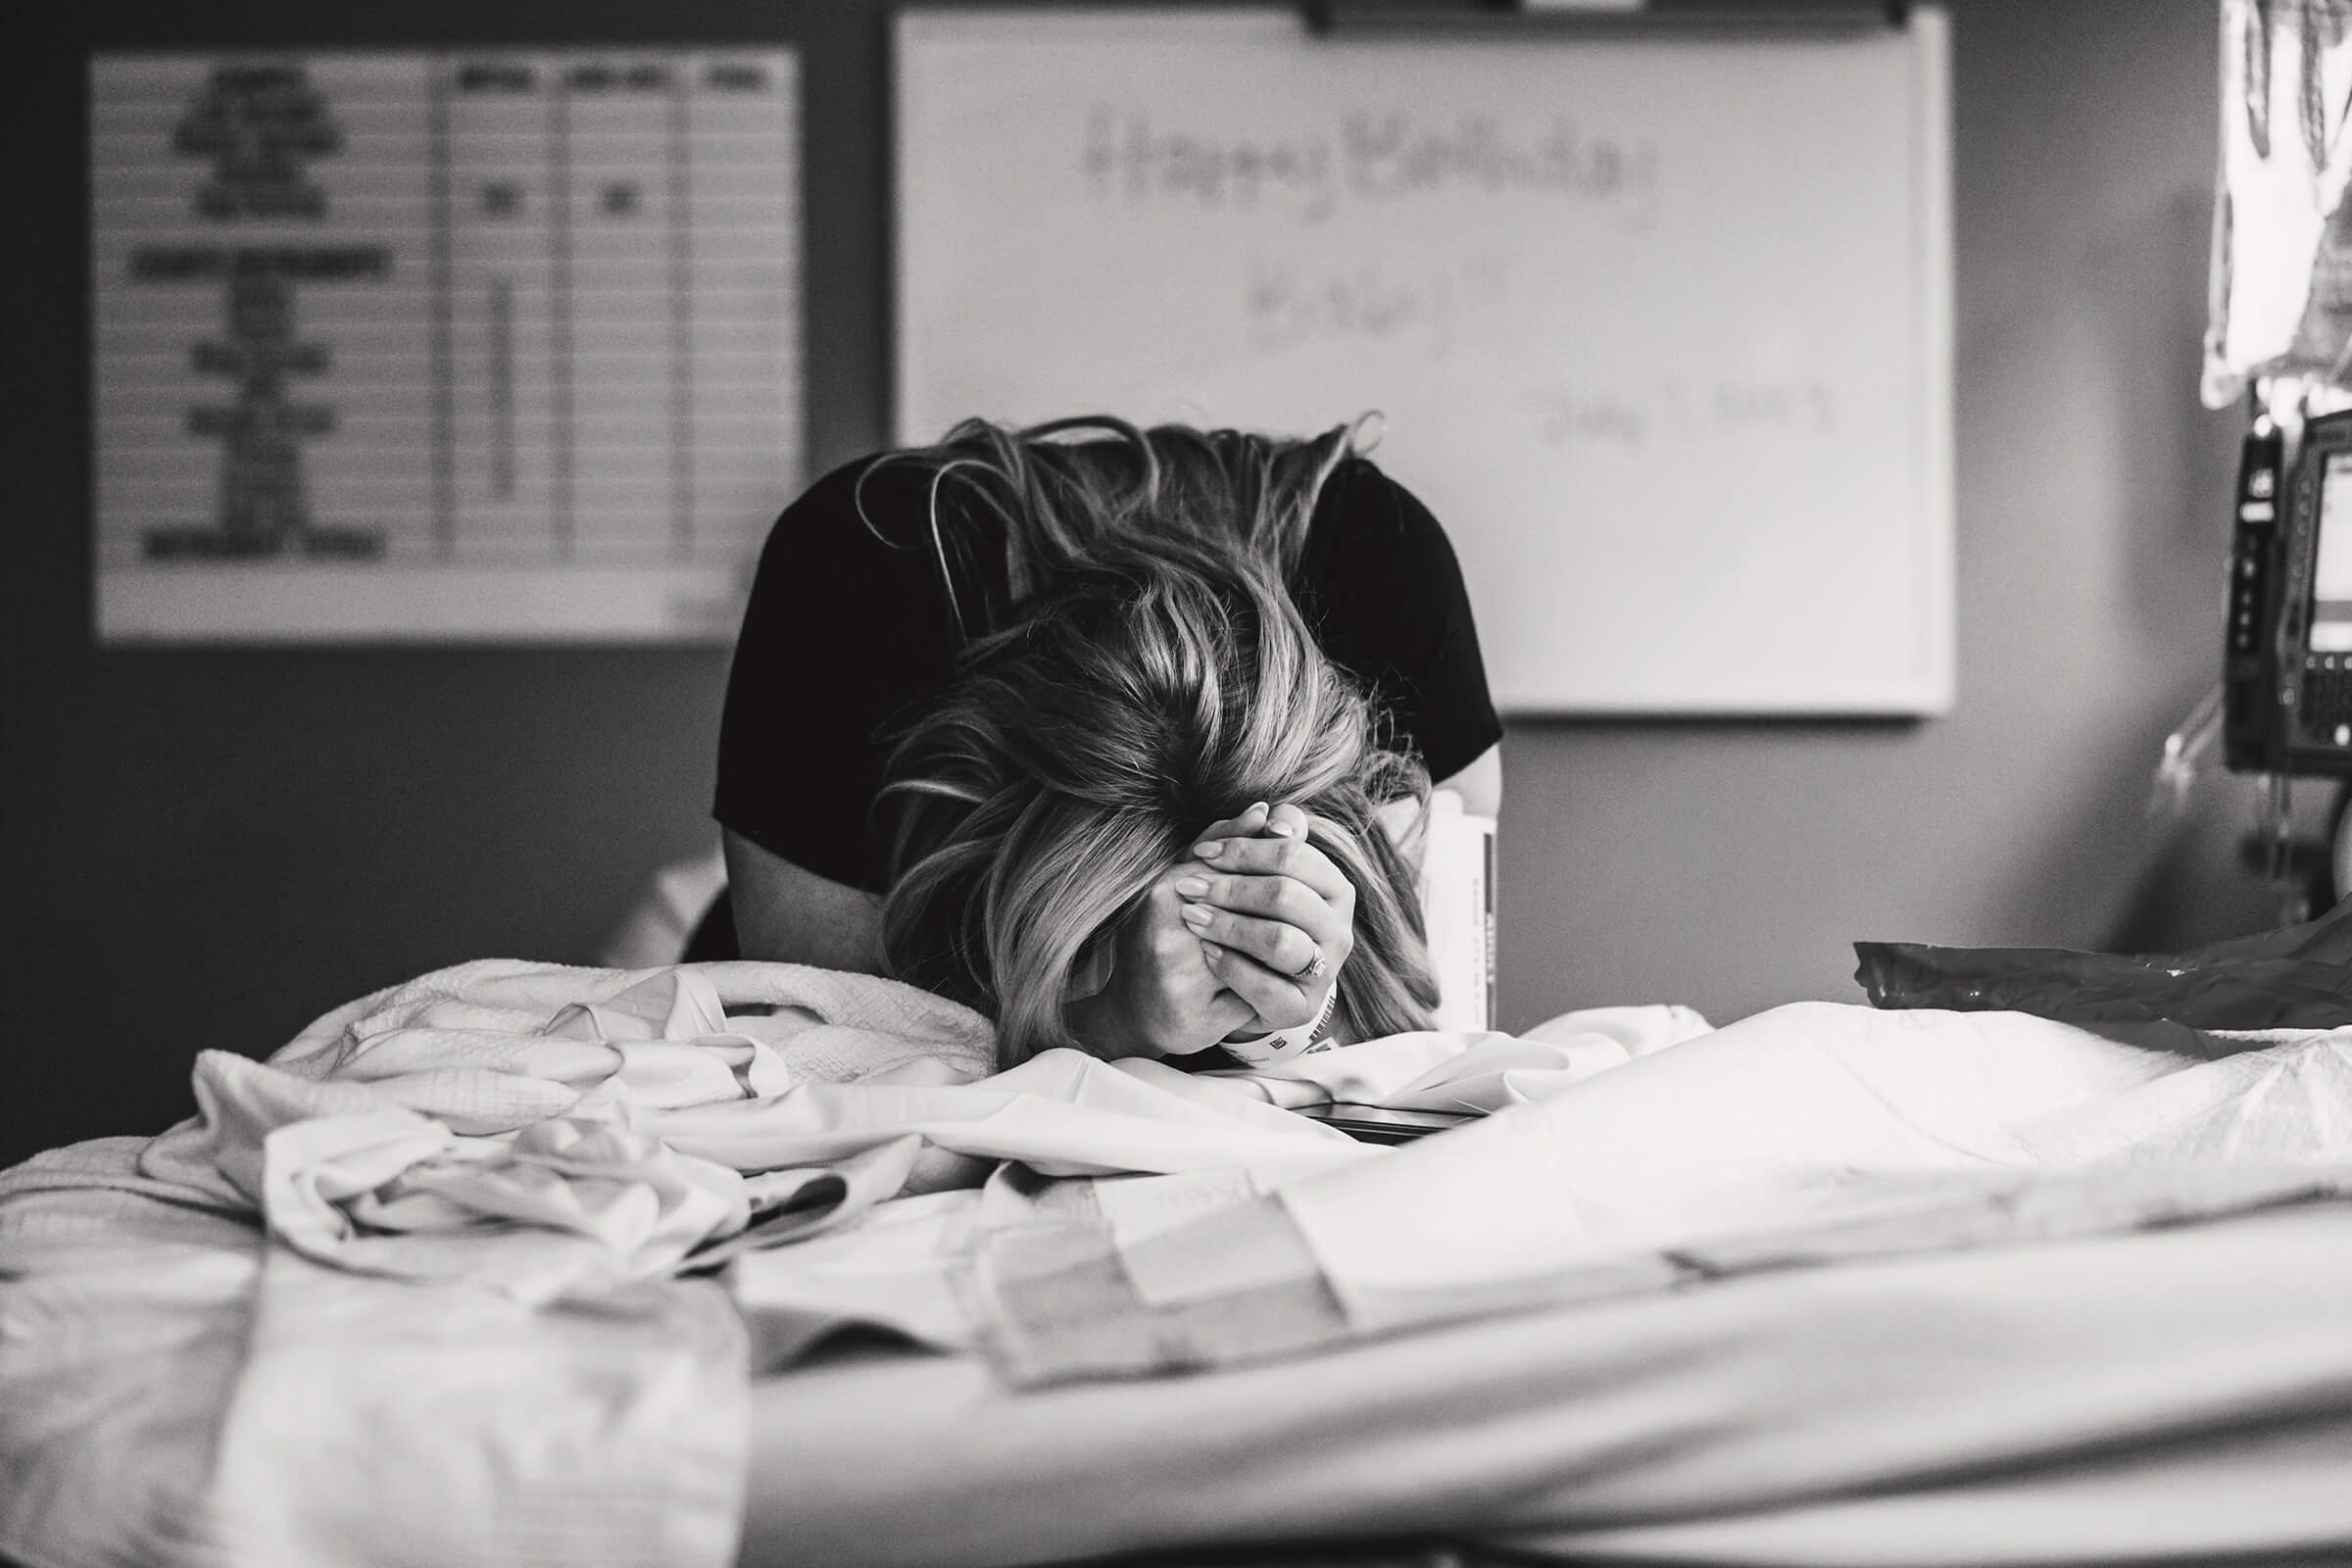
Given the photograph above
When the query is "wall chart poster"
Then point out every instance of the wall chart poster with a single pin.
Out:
(478, 347)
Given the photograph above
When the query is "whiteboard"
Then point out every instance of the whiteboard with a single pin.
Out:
(483, 345)
(1659, 327)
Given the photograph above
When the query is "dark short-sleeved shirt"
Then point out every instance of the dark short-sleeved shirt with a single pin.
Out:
(848, 635)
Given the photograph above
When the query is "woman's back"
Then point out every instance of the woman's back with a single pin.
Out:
(877, 579)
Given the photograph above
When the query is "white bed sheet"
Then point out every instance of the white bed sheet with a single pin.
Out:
(2166, 1395)
(175, 1389)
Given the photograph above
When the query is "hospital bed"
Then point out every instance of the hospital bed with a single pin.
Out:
(443, 1285)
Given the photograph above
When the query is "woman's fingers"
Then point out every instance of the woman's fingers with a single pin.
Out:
(1280, 945)
(1292, 857)
(1249, 824)
(1287, 821)
(1266, 904)
(1226, 1012)
(1161, 998)
(1327, 924)
(1278, 1002)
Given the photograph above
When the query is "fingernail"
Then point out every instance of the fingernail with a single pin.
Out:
(1280, 830)
(1195, 916)
(1214, 952)
(1258, 806)
(1192, 887)
(1209, 851)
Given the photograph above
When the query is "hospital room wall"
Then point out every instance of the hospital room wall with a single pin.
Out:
(206, 848)
(1733, 864)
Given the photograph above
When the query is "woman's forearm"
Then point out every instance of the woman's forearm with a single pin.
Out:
(786, 915)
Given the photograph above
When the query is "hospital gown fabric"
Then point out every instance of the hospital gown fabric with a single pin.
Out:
(532, 1237)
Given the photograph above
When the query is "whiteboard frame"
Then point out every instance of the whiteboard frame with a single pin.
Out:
(1928, 689)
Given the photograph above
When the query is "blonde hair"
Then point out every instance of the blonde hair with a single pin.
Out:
(1061, 491)
(1164, 680)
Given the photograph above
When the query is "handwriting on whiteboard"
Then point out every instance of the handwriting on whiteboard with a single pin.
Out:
(1374, 157)
(1288, 303)
(1631, 419)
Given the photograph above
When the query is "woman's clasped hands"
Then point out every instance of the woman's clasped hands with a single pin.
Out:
(1245, 937)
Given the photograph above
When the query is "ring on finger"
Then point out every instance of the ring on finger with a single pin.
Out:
(1317, 967)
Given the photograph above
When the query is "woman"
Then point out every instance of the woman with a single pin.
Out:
(887, 571)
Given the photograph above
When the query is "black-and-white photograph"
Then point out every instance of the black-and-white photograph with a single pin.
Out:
(1179, 784)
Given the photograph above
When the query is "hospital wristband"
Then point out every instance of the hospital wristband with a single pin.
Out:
(1264, 1050)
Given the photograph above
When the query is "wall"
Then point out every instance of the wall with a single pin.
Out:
(1732, 865)
(203, 849)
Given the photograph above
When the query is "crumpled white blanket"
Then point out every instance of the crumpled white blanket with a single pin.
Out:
(176, 1392)
(577, 1138)
(197, 1330)
(177, 1386)
(558, 1132)
(1482, 1072)
(263, 1337)
(1796, 1115)
(1805, 1133)
(491, 1121)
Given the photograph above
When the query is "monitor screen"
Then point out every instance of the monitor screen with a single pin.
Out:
(2331, 571)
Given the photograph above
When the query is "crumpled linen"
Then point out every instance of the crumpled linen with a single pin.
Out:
(552, 1132)
(2180, 1395)
(177, 1390)
(907, 1267)
(1808, 1133)
(201, 1363)
(491, 1122)
(263, 1338)
(841, 1027)
(1477, 1072)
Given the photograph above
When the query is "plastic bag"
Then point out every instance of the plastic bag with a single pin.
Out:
(2298, 977)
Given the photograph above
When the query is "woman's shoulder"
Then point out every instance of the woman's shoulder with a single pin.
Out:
(1385, 593)
(865, 504)
(851, 552)
(1363, 513)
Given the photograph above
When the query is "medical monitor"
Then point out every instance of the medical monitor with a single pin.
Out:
(2288, 664)
(2331, 622)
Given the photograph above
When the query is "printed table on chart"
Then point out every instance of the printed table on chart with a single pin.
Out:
(482, 346)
